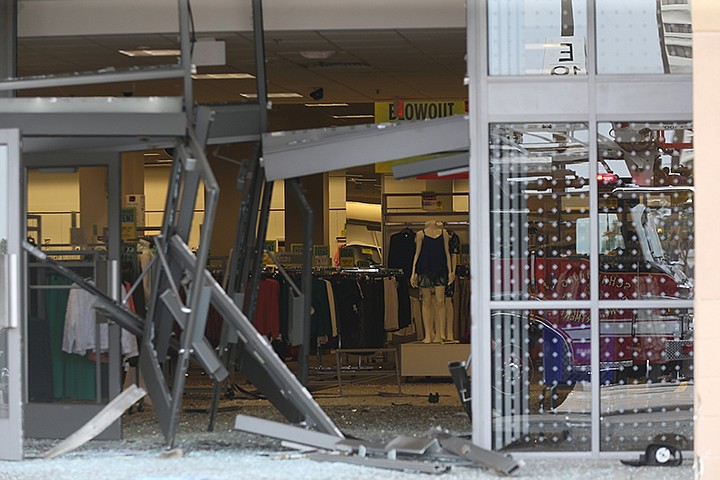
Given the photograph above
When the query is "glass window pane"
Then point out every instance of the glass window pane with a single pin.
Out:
(541, 368)
(537, 37)
(540, 206)
(644, 36)
(647, 370)
(645, 187)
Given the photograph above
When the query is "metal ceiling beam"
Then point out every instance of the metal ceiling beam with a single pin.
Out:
(86, 117)
(232, 123)
(437, 164)
(298, 153)
(92, 78)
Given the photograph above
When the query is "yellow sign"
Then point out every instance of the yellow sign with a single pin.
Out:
(400, 110)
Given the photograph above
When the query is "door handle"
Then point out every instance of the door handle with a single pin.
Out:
(13, 290)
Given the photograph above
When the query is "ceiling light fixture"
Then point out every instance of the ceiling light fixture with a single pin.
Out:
(327, 104)
(273, 95)
(147, 52)
(317, 54)
(354, 116)
(222, 76)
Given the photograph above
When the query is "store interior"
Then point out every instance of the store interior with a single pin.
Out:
(380, 314)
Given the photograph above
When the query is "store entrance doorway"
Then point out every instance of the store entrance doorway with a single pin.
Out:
(73, 354)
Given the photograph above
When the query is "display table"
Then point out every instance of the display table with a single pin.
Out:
(419, 359)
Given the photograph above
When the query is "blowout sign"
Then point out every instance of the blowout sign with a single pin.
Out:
(401, 110)
(409, 110)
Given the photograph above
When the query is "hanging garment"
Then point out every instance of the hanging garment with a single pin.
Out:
(331, 304)
(401, 251)
(454, 249)
(403, 297)
(267, 309)
(390, 304)
(431, 266)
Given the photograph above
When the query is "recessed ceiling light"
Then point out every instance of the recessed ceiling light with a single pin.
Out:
(151, 53)
(327, 104)
(354, 116)
(317, 54)
(273, 95)
(221, 76)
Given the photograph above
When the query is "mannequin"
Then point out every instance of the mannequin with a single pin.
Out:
(431, 272)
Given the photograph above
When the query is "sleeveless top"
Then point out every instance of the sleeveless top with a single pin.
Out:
(432, 258)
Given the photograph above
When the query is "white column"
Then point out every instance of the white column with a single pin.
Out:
(706, 105)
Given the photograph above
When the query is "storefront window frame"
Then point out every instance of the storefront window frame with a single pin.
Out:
(591, 99)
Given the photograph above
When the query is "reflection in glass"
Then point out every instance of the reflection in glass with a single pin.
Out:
(541, 368)
(537, 37)
(540, 207)
(4, 376)
(4, 371)
(646, 214)
(644, 36)
(647, 395)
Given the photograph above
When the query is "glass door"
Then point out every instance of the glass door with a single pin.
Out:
(11, 414)
(73, 354)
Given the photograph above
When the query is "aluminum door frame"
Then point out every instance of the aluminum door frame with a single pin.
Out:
(11, 428)
(59, 420)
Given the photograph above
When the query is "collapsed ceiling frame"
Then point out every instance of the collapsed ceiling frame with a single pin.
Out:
(86, 123)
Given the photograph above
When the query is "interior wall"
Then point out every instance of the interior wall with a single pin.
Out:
(54, 195)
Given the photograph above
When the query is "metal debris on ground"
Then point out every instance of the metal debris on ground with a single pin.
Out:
(435, 452)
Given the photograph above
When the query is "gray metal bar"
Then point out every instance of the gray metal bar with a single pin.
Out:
(567, 22)
(201, 347)
(257, 255)
(107, 124)
(439, 164)
(497, 462)
(282, 387)
(232, 123)
(261, 75)
(477, 48)
(250, 231)
(304, 354)
(91, 78)
(198, 306)
(300, 153)
(289, 433)
(595, 358)
(186, 208)
(185, 57)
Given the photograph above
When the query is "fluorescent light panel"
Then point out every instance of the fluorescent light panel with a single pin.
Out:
(273, 95)
(148, 52)
(354, 116)
(222, 76)
(327, 104)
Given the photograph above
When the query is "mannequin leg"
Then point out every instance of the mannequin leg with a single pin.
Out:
(438, 300)
(449, 317)
(427, 314)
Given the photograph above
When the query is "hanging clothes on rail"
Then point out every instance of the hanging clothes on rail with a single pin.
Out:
(267, 310)
(401, 251)
(79, 336)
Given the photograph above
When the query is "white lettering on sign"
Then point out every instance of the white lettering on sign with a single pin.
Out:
(565, 56)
